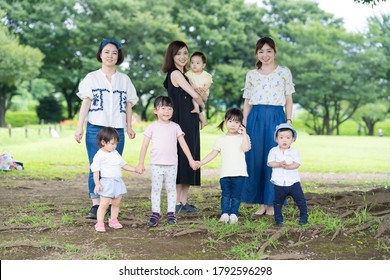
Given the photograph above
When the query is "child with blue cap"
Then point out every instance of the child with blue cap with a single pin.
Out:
(285, 162)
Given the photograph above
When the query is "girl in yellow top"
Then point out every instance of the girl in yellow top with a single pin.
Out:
(232, 146)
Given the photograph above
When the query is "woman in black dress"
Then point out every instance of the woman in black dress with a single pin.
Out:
(181, 93)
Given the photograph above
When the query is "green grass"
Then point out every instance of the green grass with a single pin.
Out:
(52, 158)
(360, 154)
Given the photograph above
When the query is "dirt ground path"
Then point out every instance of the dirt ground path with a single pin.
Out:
(46, 220)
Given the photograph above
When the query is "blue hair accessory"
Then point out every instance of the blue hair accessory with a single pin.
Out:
(111, 41)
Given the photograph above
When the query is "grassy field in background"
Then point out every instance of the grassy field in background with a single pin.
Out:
(48, 157)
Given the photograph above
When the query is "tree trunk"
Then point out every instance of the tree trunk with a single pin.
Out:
(69, 107)
(370, 124)
(144, 109)
(6, 94)
(2, 110)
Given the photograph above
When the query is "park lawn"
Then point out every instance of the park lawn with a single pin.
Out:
(48, 157)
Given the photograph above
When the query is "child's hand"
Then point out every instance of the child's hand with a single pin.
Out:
(140, 169)
(242, 130)
(97, 189)
(283, 164)
(194, 165)
(198, 164)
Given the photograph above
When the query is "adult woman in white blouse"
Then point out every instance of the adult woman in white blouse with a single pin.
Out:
(107, 100)
(268, 103)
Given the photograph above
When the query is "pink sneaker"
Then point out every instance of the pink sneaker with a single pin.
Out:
(113, 223)
(99, 227)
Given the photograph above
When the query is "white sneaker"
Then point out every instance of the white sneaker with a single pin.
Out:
(233, 219)
(224, 218)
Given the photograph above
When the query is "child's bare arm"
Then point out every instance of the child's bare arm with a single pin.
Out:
(274, 164)
(246, 144)
(129, 168)
(141, 162)
(96, 179)
(209, 157)
(186, 151)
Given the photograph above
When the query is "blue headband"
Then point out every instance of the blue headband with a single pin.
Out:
(111, 41)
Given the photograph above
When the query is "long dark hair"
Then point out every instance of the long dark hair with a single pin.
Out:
(260, 44)
(172, 50)
(232, 114)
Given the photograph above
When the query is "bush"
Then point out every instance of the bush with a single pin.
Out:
(49, 109)
(21, 118)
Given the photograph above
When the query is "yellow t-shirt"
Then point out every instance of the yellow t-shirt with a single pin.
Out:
(232, 156)
(200, 80)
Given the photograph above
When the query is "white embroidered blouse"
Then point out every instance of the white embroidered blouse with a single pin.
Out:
(109, 99)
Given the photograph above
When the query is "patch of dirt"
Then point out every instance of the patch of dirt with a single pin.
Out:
(43, 219)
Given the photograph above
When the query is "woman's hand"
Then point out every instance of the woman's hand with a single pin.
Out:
(131, 133)
(78, 135)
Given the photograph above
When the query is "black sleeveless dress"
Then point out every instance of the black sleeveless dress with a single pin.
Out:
(189, 123)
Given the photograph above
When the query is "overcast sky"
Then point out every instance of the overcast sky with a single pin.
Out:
(354, 14)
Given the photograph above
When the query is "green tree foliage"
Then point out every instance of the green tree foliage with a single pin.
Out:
(331, 67)
(69, 32)
(51, 28)
(49, 110)
(335, 72)
(370, 114)
(378, 40)
(226, 32)
(17, 63)
(371, 2)
(28, 94)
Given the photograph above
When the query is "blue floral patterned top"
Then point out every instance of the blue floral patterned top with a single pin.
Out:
(268, 89)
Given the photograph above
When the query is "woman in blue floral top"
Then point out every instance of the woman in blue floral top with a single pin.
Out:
(268, 103)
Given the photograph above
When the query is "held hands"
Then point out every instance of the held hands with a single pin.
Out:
(140, 169)
(195, 165)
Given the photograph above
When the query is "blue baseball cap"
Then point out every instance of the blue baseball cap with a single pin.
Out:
(285, 125)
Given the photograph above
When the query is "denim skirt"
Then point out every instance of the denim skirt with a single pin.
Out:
(261, 123)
